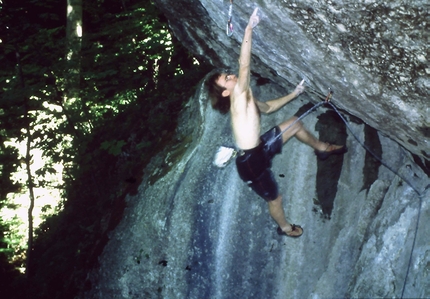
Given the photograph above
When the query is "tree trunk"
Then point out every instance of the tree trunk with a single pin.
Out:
(30, 183)
(74, 44)
(72, 101)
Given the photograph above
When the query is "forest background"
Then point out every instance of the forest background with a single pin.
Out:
(94, 88)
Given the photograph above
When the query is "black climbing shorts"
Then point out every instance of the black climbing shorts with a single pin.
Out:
(254, 164)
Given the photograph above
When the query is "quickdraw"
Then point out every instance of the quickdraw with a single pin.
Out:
(229, 30)
(330, 94)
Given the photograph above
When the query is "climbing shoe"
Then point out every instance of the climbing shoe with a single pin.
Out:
(323, 155)
(296, 232)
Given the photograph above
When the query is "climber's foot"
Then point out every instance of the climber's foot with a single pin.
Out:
(291, 230)
(331, 149)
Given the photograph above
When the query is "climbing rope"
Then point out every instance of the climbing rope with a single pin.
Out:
(269, 142)
(414, 240)
(328, 101)
(370, 151)
(229, 29)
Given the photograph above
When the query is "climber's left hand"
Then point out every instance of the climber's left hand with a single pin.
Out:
(299, 88)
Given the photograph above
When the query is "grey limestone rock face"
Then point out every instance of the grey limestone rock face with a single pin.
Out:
(197, 231)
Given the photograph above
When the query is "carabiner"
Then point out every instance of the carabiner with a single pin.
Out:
(330, 94)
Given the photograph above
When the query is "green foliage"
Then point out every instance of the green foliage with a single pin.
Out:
(113, 147)
(134, 80)
(9, 163)
(10, 242)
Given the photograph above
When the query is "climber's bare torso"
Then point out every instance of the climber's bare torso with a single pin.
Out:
(245, 116)
(245, 119)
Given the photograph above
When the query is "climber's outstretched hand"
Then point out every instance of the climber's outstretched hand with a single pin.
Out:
(254, 19)
(299, 88)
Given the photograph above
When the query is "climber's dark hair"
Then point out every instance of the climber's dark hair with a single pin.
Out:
(218, 102)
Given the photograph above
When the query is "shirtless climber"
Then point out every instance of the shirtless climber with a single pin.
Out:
(231, 93)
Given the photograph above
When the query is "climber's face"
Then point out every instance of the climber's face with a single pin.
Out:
(227, 81)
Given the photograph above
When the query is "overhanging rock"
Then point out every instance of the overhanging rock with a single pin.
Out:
(373, 54)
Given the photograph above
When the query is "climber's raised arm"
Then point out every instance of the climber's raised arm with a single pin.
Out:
(245, 55)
